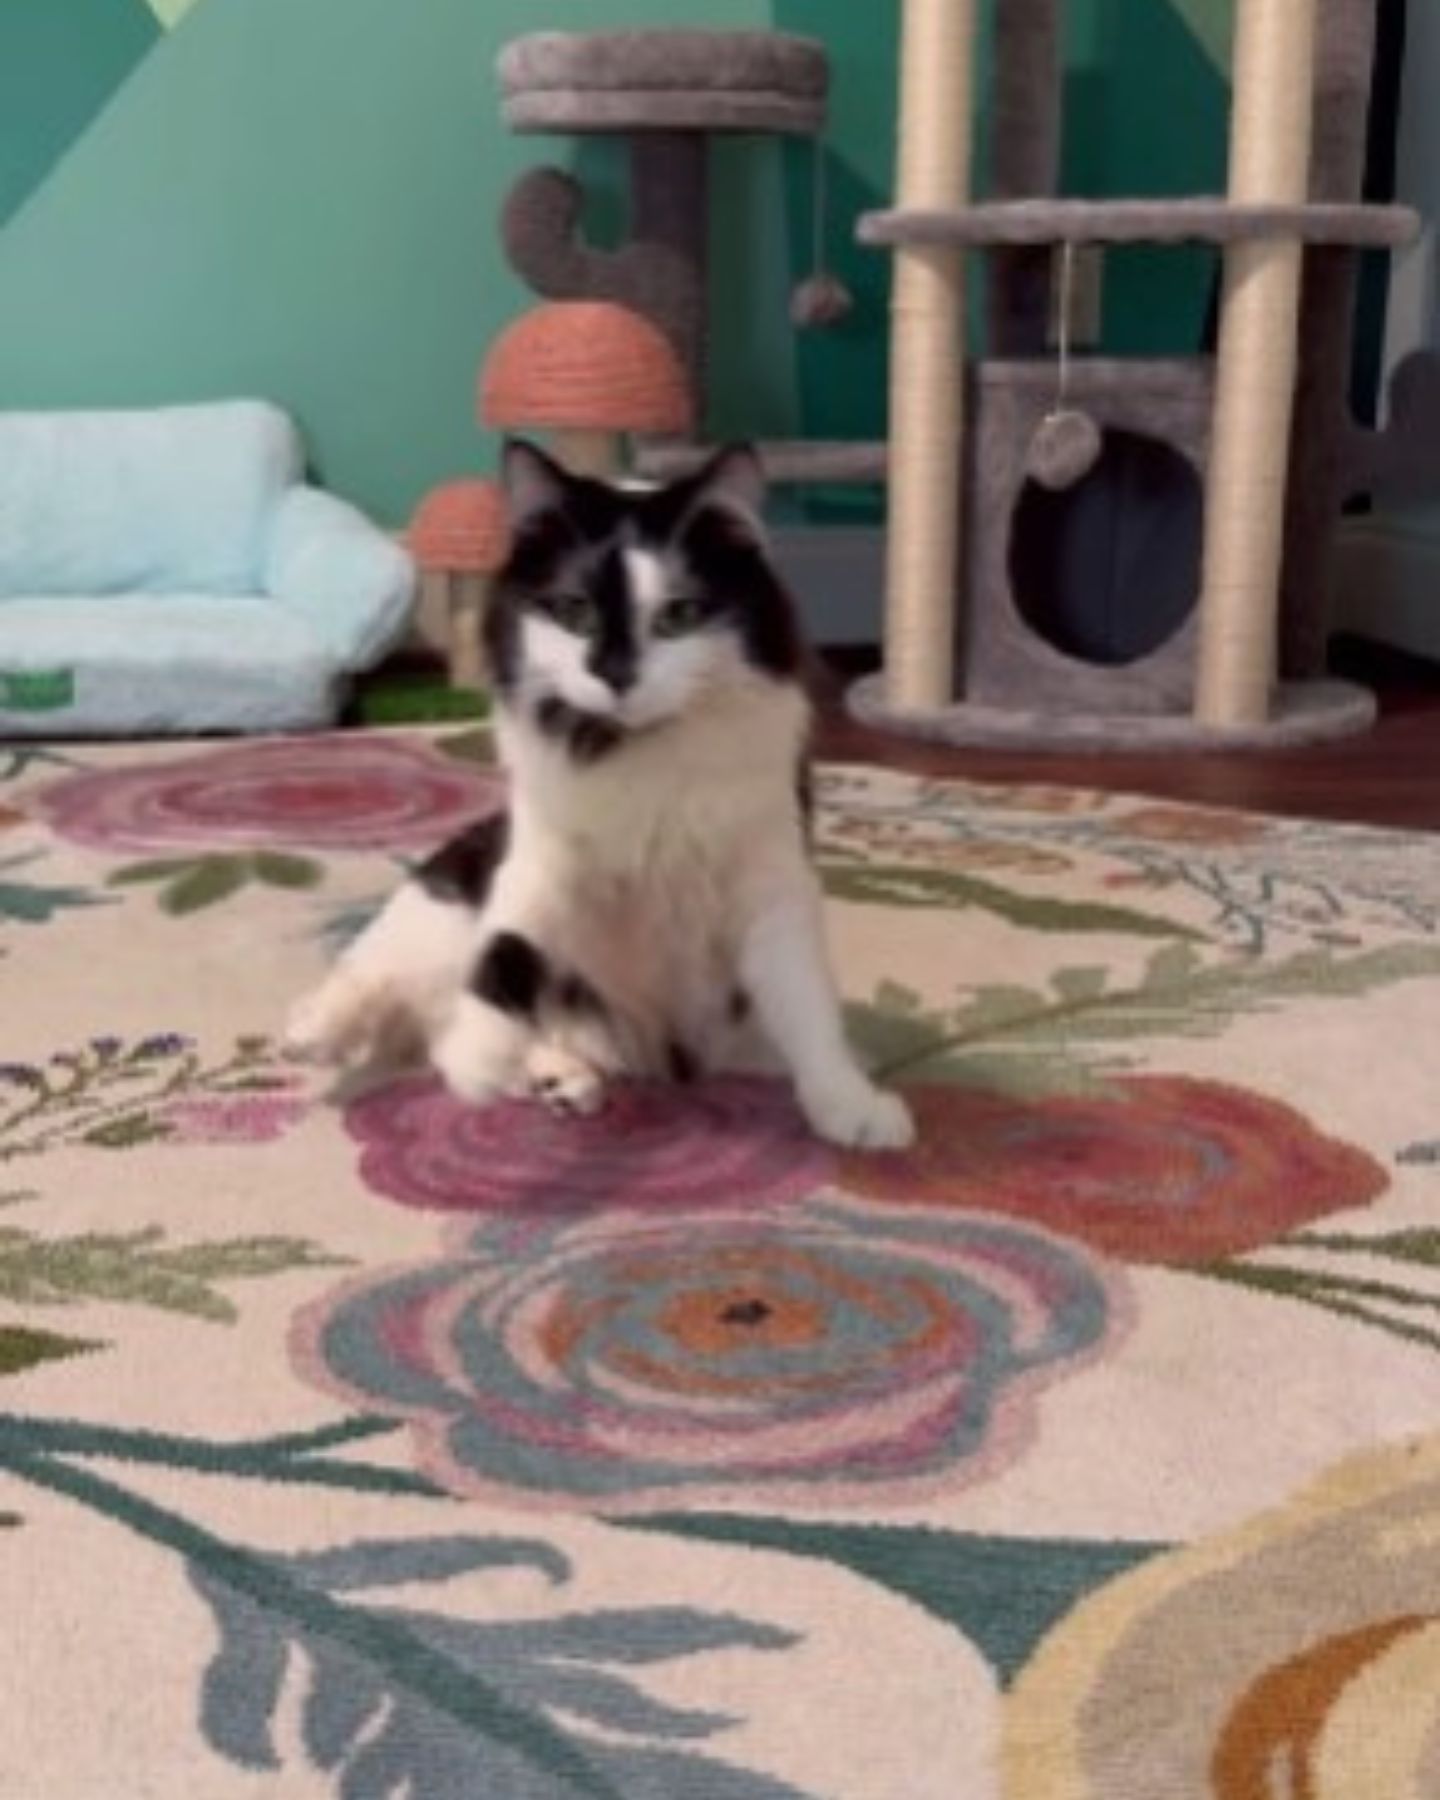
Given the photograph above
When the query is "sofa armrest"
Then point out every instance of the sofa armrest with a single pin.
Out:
(354, 585)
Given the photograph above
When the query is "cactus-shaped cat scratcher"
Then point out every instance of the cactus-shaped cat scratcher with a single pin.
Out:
(667, 93)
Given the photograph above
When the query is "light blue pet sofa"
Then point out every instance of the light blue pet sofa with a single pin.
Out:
(169, 571)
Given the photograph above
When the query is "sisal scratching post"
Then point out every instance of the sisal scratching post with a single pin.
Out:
(1255, 367)
(927, 358)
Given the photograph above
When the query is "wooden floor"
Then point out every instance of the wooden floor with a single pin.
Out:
(1390, 776)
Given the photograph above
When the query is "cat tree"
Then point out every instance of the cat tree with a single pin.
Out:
(1263, 430)
(995, 476)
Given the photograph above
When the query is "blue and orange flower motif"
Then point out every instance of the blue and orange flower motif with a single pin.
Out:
(817, 1353)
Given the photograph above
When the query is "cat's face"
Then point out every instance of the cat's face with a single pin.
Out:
(625, 606)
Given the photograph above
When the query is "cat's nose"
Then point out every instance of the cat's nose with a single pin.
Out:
(616, 668)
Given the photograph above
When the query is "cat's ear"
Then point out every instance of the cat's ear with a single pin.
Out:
(534, 483)
(734, 481)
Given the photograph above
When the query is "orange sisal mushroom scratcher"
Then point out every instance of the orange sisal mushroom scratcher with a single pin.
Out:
(589, 373)
(460, 536)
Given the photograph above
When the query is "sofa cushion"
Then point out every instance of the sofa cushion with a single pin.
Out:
(155, 501)
(80, 666)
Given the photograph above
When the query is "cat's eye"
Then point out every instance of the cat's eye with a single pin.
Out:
(676, 617)
(572, 612)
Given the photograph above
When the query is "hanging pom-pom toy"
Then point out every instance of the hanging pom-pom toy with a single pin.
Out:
(822, 299)
(1065, 448)
(1067, 443)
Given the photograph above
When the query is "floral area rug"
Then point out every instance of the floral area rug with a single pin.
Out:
(365, 1446)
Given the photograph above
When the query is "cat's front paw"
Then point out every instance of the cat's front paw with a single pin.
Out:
(857, 1115)
(467, 1080)
(563, 1082)
(474, 1058)
(327, 1026)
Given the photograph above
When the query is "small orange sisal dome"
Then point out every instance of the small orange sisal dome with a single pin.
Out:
(462, 528)
(584, 365)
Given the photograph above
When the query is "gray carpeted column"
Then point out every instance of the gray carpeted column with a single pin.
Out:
(1024, 163)
(670, 216)
(1344, 72)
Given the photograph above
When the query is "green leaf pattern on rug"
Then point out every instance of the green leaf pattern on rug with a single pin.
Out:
(189, 884)
(139, 1268)
(377, 1677)
(22, 1348)
(1069, 1034)
(29, 903)
(108, 1095)
(17, 760)
(1370, 1279)
(477, 746)
(869, 885)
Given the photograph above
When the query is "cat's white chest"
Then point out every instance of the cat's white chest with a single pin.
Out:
(650, 857)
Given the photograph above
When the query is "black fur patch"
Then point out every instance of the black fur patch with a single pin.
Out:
(512, 976)
(575, 994)
(805, 795)
(614, 654)
(461, 872)
(734, 568)
(587, 738)
(739, 1006)
(682, 1062)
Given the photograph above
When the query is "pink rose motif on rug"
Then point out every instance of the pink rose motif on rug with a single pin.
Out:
(323, 793)
(1153, 1169)
(732, 1139)
(831, 1351)
(233, 1118)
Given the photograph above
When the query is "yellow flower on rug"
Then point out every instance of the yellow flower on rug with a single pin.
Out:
(1310, 1644)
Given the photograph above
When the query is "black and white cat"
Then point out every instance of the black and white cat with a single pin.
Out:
(648, 898)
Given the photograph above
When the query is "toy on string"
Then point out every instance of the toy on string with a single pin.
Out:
(1067, 442)
(822, 298)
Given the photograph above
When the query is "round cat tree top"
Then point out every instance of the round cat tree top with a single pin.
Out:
(584, 365)
(599, 81)
(461, 528)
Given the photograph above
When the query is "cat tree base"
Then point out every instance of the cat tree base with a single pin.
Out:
(1302, 713)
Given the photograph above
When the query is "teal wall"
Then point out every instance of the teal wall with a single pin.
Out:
(60, 61)
(298, 198)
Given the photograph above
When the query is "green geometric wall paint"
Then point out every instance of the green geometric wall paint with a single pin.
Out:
(298, 198)
(1211, 22)
(60, 62)
(170, 12)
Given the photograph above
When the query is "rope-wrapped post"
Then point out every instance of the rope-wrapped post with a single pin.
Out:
(1270, 144)
(927, 357)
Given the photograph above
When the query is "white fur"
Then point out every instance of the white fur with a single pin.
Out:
(650, 580)
(668, 874)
